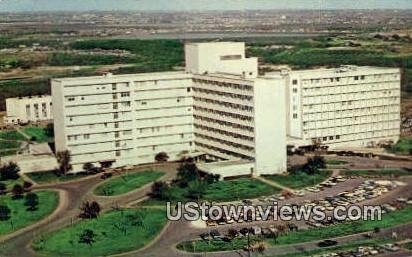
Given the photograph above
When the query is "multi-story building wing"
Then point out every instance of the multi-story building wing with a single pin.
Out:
(28, 109)
(125, 119)
(349, 106)
(128, 119)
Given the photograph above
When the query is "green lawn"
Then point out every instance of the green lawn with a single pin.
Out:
(377, 173)
(404, 146)
(237, 189)
(7, 153)
(10, 183)
(116, 232)
(300, 179)
(38, 133)
(9, 144)
(20, 217)
(313, 234)
(335, 162)
(126, 183)
(46, 177)
(11, 135)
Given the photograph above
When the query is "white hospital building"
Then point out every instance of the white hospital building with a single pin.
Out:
(344, 107)
(28, 109)
(219, 107)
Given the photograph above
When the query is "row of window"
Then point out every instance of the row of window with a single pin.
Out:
(224, 132)
(223, 151)
(226, 124)
(225, 104)
(224, 114)
(230, 95)
(224, 84)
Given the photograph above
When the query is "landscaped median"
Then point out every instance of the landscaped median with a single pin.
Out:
(300, 179)
(47, 177)
(377, 173)
(127, 182)
(112, 233)
(19, 214)
(391, 219)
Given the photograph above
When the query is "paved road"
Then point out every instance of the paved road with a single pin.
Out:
(77, 192)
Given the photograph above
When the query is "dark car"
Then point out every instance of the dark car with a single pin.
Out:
(327, 243)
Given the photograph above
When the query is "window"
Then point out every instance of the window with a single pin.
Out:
(362, 77)
(118, 153)
(115, 115)
(86, 136)
(125, 94)
(189, 89)
(356, 78)
(295, 115)
(295, 90)
(230, 57)
(331, 138)
(114, 87)
(144, 103)
(70, 99)
(115, 106)
(116, 125)
(294, 82)
(325, 138)
(105, 124)
(117, 144)
(154, 148)
(337, 137)
(114, 96)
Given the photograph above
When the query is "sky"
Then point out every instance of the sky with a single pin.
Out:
(186, 5)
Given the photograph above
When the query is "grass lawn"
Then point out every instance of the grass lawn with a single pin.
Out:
(38, 133)
(335, 162)
(12, 135)
(126, 183)
(116, 232)
(20, 217)
(377, 173)
(404, 146)
(300, 179)
(313, 234)
(238, 189)
(408, 246)
(10, 183)
(7, 153)
(9, 144)
(46, 177)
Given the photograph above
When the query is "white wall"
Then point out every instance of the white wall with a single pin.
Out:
(270, 126)
(216, 57)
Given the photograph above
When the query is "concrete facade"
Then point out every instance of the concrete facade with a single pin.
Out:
(28, 109)
(344, 107)
(128, 119)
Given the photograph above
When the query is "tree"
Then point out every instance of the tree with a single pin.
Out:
(17, 191)
(314, 164)
(4, 212)
(89, 210)
(162, 191)
(161, 157)
(49, 130)
(64, 158)
(196, 189)
(87, 237)
(3, 188)
(186, 173)
(27, 185)
(88, 167)
(9, 171)
(212, 178)
(31, 201)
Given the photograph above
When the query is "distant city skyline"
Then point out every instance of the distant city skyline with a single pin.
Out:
(187, 5)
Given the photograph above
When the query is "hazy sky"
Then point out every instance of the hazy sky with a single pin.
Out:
(104, 5)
